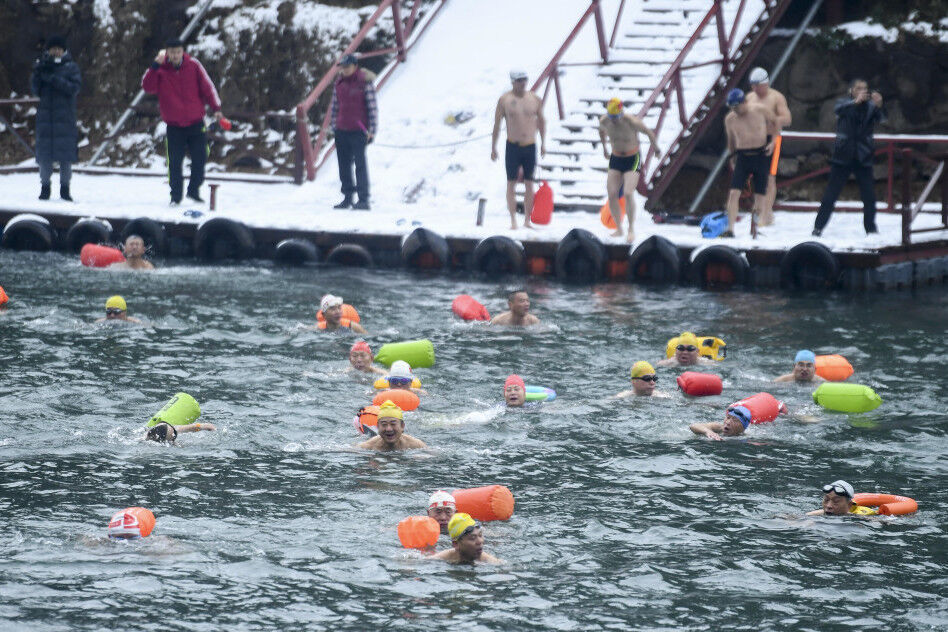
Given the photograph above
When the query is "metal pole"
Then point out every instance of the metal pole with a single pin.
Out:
(703, 191)
(906, 196)
(141, 93)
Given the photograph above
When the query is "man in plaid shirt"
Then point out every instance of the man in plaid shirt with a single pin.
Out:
(354, 122)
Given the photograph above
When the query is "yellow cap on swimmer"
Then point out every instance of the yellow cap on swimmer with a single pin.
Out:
(688, 338)
(116, 302)
(390, 410)
(459, 524)
(614, 106)
(641, 368)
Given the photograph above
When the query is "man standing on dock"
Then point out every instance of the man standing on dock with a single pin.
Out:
(746, 126)
(761, 93)
(183, 88)
(355, 117)
(523, 112)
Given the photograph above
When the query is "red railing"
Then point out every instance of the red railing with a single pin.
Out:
(312, 154)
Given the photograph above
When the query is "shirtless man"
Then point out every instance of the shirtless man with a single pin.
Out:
(518, 313)
(686, 352)
(746, 126)
(776, 103)
(391, 432)
(622, 130)
(442, 507)
(134, 250)
(360, 359)
(523, 112)
(331, 307)
(116, 311)
(643, 381)
(804, 369)
(468, 541)
(735, 422)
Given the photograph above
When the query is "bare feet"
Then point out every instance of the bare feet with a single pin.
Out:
(618, 233)
(528, 225)
(631, 237)
(513, 225)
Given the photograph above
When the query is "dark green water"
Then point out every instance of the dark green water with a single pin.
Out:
(624, 520)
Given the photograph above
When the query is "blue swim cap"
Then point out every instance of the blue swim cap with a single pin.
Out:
(805, 355)
(742, 414)
(735, 97)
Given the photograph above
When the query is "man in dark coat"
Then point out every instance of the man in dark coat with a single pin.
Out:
(56, 81)
(855, 117)
(354, 121)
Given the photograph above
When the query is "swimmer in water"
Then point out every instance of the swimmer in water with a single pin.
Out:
(838, 501)
(804, 369)
(360, 359)
(331, 307)
(518, 311)
(441, 507)
(116, 311)
(166, 433)
(735, 422)
(467, 539)
(391, 432)
(515, 391)
(134, 250)
(643, 381)
(400, 378)
(686, 353)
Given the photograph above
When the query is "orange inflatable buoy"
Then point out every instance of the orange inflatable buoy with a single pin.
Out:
(367, 417)
(888, 504)
(542, 205)
(493, 502)
(132, 522)
(406, 400)
(418, 532)
(95, 256)
(834, 368)
(348, 311)
(3, 296)
(605, 215)
(764, 407)
(466, 307)
(700, 384)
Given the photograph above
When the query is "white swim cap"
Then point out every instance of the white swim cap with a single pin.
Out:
(759, 75)
(518, 75)
(400, 368)
(328, 301)
(441, 498)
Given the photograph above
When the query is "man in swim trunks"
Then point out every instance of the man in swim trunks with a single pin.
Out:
(746, 126)
(523, 112)
(331, 307)
(468, 540)
(761, 93)
(622, 130)
(134, 250)
(116, 311)
(686, 352)
(515, 391)
(643, 380)
(166, 433)
(391, 432)
(736, 420)
(804, 369)
(360, 359)
(518, 313)
(838, 501)
(442, 507)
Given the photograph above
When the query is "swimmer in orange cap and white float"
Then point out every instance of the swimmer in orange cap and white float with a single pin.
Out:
(441, 507)
(360, 359)
(391, 432)
(468, 540)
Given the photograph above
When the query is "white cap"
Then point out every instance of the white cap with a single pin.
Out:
(518, 75)
(400, 368)
(759, 75)
(328, 301)
(125, 524)
(441, 498)
(842, 488)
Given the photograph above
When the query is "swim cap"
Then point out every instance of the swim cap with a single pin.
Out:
(3, 296)
(514, 379)
(116, 302)
(840, 487)
(388, 410)
(328, 301)
(641, 368)
(459, 525)
(614, 106)
(805, 355)
(441, 498)
(688, 338)
(759, 75)
(742, 414)
(518, 75)
(735, 97)
(400, 368)
(362, 345)
(132, 522)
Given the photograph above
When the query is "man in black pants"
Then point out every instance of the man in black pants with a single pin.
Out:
(354, 121)
(855, 117)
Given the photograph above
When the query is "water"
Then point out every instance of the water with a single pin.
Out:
(624, 520)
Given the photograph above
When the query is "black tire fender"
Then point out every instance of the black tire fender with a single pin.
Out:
(221, 238)
(350, 255)
(809, 265)
(296, 252)
(719, 266)
(88, 230)
(151, 232)
(656, 260)
(580, 256)
(497, 255)
(419, 243)
(27, 231)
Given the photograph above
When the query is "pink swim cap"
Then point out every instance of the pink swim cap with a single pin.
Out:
(362, 345)
(514, 379)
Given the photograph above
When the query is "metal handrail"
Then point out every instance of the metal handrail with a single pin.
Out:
(6, 123)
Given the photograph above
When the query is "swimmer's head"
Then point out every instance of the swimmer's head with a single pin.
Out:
(131, 524)
(466, 536)
(757, 77)
(686, 351)
(134, 247)
(804, 365)
(331, 307)
(115, 308)
(519, 302)
(391, 422)
(442, 507)
(837, 498)
(360, 355)
(643, 378)
(614, 107)
(517, 76)
(162, 433)
(736, 420)
(400, 375)
(735, 97)
(461, 525)
(515, 391)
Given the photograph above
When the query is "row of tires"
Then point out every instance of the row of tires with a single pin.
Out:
(578, 257)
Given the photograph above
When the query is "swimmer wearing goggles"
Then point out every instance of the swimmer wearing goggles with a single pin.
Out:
(686, 352)
(166, 433)
(116, 311)
(736, 421)
(838, 501)
(804, 369)
(467, 539)
(644, 381)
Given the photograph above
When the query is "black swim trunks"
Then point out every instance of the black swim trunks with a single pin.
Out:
(623, 164)
(518, 156)
(753, 162)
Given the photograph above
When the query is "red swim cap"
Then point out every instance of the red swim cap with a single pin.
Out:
(514, 379)
(362, 345)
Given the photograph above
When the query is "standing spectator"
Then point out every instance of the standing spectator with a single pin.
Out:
(355, 116)
(746, 126)
(183, 88)
(523, 112)
(56, 81)
(855, 117)
(773, 100)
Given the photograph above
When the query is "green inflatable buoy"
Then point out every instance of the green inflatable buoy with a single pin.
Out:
(419, 354)
(181, 410)
(846, 398)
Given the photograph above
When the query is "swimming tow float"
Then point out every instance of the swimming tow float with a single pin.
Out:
(834, 368)
(888, 504)
(417, 353)
(181, 410)
(492, 502)
(764, 407)
(846, 398)
(708, 346)
(537, 394)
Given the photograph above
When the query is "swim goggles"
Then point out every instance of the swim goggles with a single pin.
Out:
(113, 311)
(647, 378)
(838, 488)
(686, 348)
(399, 381)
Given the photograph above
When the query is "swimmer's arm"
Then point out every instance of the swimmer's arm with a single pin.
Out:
(784, 118)
(356, 327)
(818, 378)
(667, 362)
(532, 320)
(708, 430)
(498, 116)
(501, 319)
(195, 427)
(134, 320)
(375, 369)
(490, 559)
(638, 125)
(815, 512)
(602, 139)
(785, 378)
(416, 443)
(731, 143)
(444, 555)
(623, 394)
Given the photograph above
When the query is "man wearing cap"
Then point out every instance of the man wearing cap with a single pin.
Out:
(184, 89)
(762, 94)
(467, 539)
(354, 116)
(622, 131)
(441, 507)
(804, 369)
(523, 112)
(360, 359)
(643, 381)
(331, 307)
(746, 126)
(736, 420)
(515, 391)
(518, 311)
(134, 251)
(838, 501)
(400, 377)
(116, 311)
(686, 352)
(391, 432)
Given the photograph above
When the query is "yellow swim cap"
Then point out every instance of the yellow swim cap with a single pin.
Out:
(116, 302)
(459, 524)
(390, 410)
(614, 106)
(641, 368)
(688, 338)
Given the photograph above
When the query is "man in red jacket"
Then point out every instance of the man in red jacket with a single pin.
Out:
(354, 121)
(183, 88)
